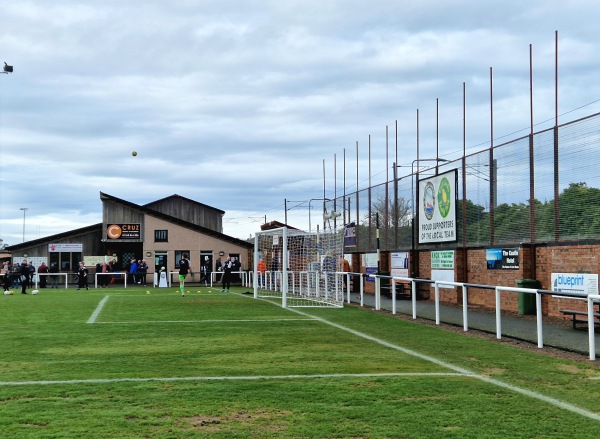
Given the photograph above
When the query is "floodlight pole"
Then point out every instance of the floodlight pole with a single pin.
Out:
(24, 209)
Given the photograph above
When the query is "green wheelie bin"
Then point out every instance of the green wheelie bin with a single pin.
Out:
(527, 300)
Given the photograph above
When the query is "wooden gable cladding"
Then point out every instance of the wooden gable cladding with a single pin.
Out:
(116, 213)
(189, 211)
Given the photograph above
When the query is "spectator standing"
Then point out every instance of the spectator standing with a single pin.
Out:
(345, 265)
(219, 267)
(142, 272)
(133, 271)
(53, 277)
(262, 269)
(43, 270)
(6, 276)
(236, 268)
(206, 272)
(31, 272)
(15, 275)
(82, 280)
(226, 278)
(274, 271)
(104, 276)
(24, 277)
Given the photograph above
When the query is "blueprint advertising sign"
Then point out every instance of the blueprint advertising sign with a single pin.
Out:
(577, 283)
(437, 208)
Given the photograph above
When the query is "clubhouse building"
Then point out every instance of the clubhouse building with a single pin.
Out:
(158, 232)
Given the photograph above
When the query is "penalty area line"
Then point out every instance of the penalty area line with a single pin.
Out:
(228, 378)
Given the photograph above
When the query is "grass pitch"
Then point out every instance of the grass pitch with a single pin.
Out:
(148, 363)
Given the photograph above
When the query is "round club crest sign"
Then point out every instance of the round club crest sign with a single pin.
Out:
(444, 197)
(437, 218)
(429, 200)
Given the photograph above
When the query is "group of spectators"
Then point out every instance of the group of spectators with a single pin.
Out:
(15, 275)
(137, 270)
(105, 270)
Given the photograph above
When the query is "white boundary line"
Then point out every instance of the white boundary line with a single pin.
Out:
(100, 306)
(98, 310)
(460, 370)
(226, 378)
(143, 322)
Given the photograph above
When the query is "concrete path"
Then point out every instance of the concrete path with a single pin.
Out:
(561, 336)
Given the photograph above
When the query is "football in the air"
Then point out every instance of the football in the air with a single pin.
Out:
(134, 153)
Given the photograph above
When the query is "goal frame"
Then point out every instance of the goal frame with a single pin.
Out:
(284, 233)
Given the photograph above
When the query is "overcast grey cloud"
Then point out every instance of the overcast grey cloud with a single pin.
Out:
(236, 104)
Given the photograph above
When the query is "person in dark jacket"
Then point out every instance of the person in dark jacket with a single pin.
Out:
(82, 279)
(31, 272)
(24, 277)
(142, 271)
(227, 267)
(53, 276)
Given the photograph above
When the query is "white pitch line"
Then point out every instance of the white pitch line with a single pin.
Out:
(97, 311)
(225, 378)
(516, 389)
(138, 322)
(176, 294)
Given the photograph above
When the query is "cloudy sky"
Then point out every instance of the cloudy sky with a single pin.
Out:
(236, 104)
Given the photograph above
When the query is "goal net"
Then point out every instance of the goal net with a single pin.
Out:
(300, 268)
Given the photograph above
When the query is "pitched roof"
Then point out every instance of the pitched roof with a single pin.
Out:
(145, 210)
(174, 220)
(179, 197)
(57, 237)
(275, 225)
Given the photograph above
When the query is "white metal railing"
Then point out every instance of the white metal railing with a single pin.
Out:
(112, 274)
(591, 299)
(66, 276)
(592, 337)
(214, 274)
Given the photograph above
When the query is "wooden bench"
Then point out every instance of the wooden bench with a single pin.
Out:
(402, 291)
(577, 314)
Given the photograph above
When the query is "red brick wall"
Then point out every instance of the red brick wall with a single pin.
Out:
(470, 267)
(548, 260)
